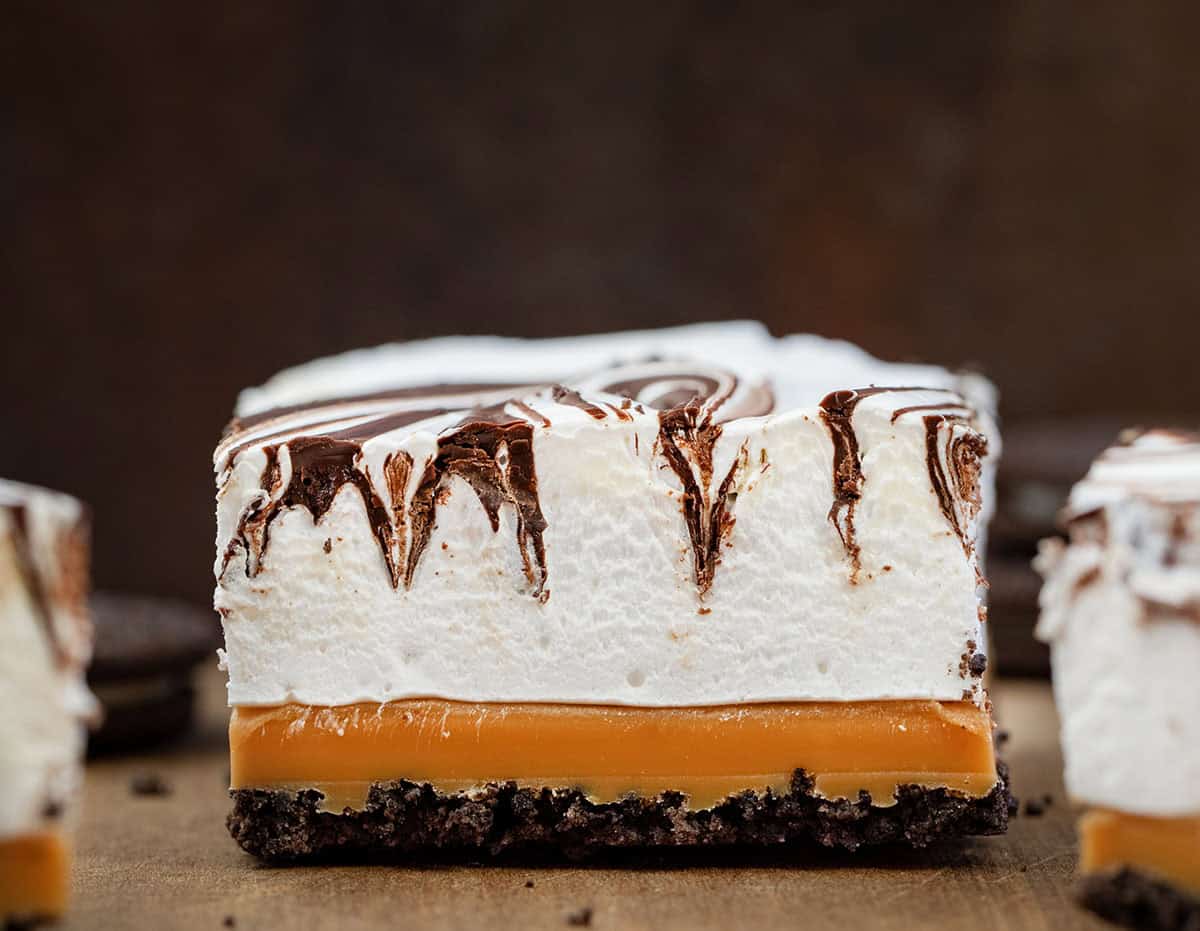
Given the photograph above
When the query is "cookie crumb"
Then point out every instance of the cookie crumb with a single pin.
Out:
(149, 784)
(529, 884)
(328, 545)
(581, 918)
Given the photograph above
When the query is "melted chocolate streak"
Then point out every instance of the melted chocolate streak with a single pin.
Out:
(322, 465)
(708, 518)
(473, 453)
(34, 583)
(962, 453)
(837, 412)
(493, 452)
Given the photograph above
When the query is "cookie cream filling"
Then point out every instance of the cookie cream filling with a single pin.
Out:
(689, 517)
(1121, 612)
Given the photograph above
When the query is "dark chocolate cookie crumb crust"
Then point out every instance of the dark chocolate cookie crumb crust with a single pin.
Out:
(1134, 899)
(406, 818)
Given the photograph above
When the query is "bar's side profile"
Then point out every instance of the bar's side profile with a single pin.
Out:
(690, 586)
(1121, 612)
(47, 637)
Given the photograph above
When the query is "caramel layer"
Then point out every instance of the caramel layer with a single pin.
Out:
(1168, 848)
(35, 876)
(609, 751)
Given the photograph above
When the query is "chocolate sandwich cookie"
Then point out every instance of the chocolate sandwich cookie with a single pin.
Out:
(146, 651)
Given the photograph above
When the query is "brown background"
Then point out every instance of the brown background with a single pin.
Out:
(192, 203)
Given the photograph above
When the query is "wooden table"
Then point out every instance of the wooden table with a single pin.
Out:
(150, 862)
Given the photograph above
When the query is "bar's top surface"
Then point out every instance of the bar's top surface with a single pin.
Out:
(1121, 610)
(46, 645)
(1160, 466)
(623, 518)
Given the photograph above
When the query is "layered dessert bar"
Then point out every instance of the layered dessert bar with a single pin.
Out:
(688, 586)
(1121, 611)
(47, 642)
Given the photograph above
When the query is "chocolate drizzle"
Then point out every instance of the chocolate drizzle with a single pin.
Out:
(837, 413)
(916, 408)
(689, 430)
(669, 391)
(490, 447)
(252, 530)
(320, 467)
(963, 454)
(496, 460)
(66, 585)
(35, 585)
(574, 399)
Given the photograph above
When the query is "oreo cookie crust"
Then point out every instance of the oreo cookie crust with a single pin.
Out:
(408, 818)
(1135, 899)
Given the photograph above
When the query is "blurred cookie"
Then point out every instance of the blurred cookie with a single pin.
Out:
(146, 651)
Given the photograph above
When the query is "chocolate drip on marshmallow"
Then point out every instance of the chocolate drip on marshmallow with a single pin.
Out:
(955, 482)
(488, 444)
(496, 460)
(837, 413)
(60, 591)
(492, 453)
(687, 436)
(35, 585)
(688, 405)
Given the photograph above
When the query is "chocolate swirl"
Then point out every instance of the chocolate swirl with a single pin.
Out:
(837, 412)
(485, 437)
(58, 590)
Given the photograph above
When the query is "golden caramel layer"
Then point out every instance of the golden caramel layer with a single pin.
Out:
(35, 876)
(1168, 848)
(608, 751)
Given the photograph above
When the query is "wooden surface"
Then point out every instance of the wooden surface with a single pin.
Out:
(167, 862)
